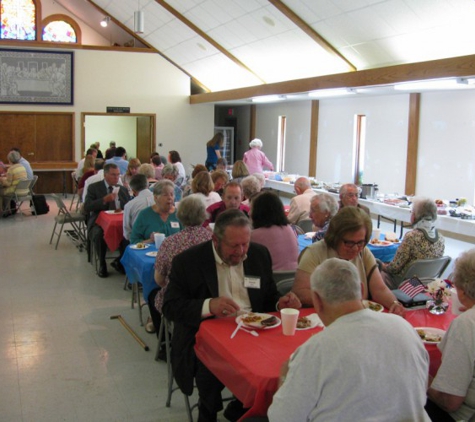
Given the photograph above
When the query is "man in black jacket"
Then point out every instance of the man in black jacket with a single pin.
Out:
(217, 279)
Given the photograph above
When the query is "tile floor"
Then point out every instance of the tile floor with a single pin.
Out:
(63, 358)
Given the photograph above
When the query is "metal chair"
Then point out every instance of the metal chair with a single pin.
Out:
(20, 194)
(75, 193)
(77, 221)
(284, 286)
(306, 225)
(427, 269)
(282, 275)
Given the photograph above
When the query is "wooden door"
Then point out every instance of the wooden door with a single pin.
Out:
(54, 130)
(17, 130)
(144, 138)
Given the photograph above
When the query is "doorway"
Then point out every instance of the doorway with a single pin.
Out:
(135, 132)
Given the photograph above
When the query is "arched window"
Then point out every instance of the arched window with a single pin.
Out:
(19, 20)
(61, 28)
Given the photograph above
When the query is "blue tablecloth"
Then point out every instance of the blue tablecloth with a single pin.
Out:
(384, 253)
(140, 268)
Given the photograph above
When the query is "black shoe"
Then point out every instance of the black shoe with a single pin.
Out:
(234, 411)
(118, 266)
(204, 415)
(102, 272)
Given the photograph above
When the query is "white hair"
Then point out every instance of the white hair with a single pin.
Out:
(255, 143)
(336, 281)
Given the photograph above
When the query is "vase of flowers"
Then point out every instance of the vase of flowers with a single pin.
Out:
(439, 290)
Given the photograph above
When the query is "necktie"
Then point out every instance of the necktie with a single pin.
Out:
(111, 203)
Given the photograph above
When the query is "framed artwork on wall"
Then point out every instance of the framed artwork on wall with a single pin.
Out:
(36, 77)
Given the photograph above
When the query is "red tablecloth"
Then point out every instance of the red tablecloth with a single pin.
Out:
(250, 366)
(112, 224)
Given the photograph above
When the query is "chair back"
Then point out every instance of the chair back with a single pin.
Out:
(284, 286)
(427, 269)
(282, 275)
(22, 188)
(33, 183)
(306, 225)
(60, 204)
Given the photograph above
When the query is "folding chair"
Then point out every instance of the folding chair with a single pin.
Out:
(17, 197)
(23, 193)
(75, 193)
(306, 225)
(77, 221)
(427, 269)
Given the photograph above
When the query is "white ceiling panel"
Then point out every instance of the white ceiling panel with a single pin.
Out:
(368, 33)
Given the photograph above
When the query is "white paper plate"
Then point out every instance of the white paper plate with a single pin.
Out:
(315, 321)
(113, 212)
(309, 235)
(153, 254)
(382, 244)
(431, 331)
(368, 303)
(257, 324)
(140, 249)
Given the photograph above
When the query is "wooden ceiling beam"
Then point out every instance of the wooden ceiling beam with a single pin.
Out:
(444, 68)
(314, 35)
(205, 36)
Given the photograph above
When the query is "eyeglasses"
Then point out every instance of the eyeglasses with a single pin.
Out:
(350, 244)
(351, 195)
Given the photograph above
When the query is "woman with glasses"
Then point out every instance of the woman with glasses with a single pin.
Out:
(347, 236)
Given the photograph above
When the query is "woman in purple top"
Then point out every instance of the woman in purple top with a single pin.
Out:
(272, 229)
(192, 214)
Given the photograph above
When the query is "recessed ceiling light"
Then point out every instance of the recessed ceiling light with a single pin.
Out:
(268, 21)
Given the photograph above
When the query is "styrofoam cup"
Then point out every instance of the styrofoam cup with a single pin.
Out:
(159, 238)
(289, 319)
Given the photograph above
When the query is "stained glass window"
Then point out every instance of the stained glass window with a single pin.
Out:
(59, 31)
(18, 20)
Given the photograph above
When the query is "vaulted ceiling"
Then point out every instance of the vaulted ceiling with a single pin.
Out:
(228, 44)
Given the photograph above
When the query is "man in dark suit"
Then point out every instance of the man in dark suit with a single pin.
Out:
(101, 196)
(217, 279)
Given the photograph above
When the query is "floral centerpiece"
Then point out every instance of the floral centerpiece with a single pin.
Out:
(439, 290)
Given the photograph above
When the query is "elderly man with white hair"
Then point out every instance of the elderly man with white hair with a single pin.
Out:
(255, 159)
(300, 203)
(364, 366)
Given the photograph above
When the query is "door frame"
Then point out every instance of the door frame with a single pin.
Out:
(152, 116)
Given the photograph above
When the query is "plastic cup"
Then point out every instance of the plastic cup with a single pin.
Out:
(455, 302)
(376, 233)
(211, 226)
(159, 238)
(289, 319)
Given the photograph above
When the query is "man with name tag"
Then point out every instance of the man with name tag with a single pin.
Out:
(218, 278)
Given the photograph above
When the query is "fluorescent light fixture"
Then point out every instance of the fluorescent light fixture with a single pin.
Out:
(466, 81)
(105, 21)
(139, 22)
(268, 98)
(337, 92)
(431, 84)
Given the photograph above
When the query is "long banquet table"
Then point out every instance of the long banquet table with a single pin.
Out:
(250, 366)
(402, 214)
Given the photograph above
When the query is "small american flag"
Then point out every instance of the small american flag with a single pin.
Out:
(412, 287)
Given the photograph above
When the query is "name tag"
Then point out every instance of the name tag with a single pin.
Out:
(175, 225)
(252, 282)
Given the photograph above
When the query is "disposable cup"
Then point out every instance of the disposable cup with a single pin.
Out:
(115, 189)
(289, 319)
(159, 238)
(455, 302)
(211, 226)
(376, 233)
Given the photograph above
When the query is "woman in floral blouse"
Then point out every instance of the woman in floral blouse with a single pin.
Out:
(423, 242)
(192, 214)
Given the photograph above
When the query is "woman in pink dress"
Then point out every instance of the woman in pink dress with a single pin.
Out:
(255, 159)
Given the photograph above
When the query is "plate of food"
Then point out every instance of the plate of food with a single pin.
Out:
(380, 243)
(114, 211)
(430, 335)
(153, 254)
(257, 320)
(139, 245)
(308, 322)
(369, 304)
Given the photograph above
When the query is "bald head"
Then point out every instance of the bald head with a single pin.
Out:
(301, 185)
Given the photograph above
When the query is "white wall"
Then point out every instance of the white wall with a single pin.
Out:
(386, 140)
(297, 133)
(445, 168)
